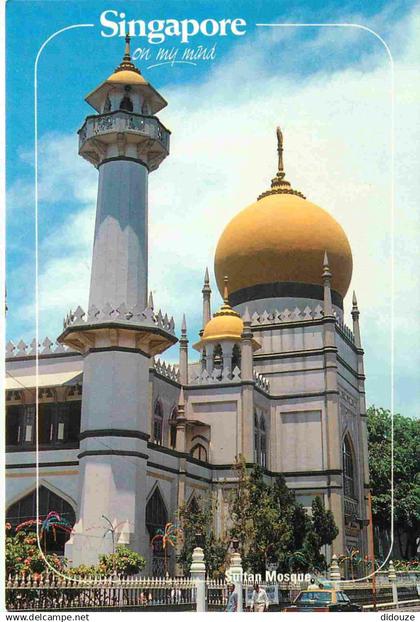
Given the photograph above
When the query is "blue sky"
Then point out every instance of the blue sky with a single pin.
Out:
(329, 88)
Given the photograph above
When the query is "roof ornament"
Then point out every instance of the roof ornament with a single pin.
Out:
(226, 309)
(280, 185)
(126, 64)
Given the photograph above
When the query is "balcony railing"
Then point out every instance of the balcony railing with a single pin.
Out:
(121, 121)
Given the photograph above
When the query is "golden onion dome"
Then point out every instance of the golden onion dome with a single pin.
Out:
(226, 324)
(279, 240)
(223, 326)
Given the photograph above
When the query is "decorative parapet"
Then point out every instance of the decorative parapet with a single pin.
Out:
(218, 376)
(299, 315)
(121, 314)
(279, 317)
(166, 370)
(142, 133)
(261, 382)
(121, 121)
(22, 349)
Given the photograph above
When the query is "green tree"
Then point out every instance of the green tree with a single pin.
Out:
(406, 475)
(22, 554)
(199, 519)
(272, 526)
(320, 531)
(124, 561)
(323, 523)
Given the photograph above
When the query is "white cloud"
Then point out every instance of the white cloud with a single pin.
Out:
(337, 151)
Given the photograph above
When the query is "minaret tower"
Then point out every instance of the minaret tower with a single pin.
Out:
(121, 331)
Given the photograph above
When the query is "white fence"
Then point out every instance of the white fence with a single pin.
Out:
(53, 591)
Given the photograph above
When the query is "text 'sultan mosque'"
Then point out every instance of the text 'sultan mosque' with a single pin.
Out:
(278, 378)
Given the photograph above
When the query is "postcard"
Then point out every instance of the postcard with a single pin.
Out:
(211, 386)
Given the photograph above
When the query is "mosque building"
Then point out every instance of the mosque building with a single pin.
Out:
(125, 438)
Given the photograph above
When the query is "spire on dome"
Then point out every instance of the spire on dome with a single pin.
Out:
(126, 64)
(280, 185)
(226, 309)
(280, 149)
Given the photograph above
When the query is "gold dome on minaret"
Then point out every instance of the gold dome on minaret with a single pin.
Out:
(281, 239)
(129, 77)
(225, 325)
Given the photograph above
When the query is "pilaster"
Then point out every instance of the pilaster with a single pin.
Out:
(332, 417)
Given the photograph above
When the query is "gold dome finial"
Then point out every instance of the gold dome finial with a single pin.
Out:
(280, 185)
(226, 309)
(280, 149)
(126, 64)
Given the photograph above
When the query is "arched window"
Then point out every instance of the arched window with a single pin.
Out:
(25, 510)
(260, 440)
(199, 452)
(256, 439)
(156, 518)
(126, 104)
(157, 423)
(236, 357)
(172, 428)
(218, 357)
(203, 359)
(348, 469)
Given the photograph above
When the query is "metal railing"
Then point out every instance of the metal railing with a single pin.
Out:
(38, 592)
(52, 592)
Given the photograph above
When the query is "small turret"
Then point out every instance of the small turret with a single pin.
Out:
(247, 348)
(183, 353)
(206, 291)
(326, 278)
(355, 313)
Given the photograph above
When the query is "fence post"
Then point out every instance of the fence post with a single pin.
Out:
(235, 572)
(392, 576)
(198, 575)
(335, 575)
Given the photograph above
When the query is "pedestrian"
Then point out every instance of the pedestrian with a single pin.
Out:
(259, 601)
(232, 603)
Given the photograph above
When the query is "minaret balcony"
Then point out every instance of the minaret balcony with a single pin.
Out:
(122, 133)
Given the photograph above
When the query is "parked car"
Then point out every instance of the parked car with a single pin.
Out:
(320, 598)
